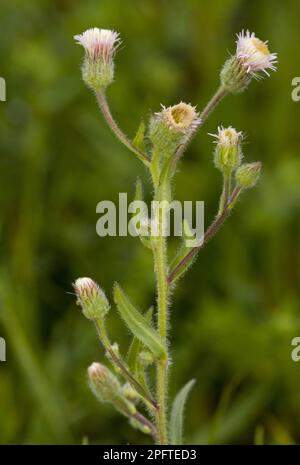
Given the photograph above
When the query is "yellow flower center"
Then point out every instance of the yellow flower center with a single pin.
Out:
(182, 115)
(260, 46)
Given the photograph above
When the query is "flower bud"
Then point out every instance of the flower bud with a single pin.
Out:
(129, 392)
(251, 58)
(106, 388)
(228, 153)
(139, 426)
(247, 174)
(98, 66)
(173, 126)
(91, 298)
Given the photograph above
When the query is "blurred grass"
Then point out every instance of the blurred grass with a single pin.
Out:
(235, 315)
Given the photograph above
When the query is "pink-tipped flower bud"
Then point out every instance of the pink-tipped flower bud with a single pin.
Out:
(91, 298)
(106, 388)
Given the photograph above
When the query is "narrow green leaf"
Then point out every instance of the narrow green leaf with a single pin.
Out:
(176, 420)
(138, 140)
(133, 357)
(138, 324)
(136, 346)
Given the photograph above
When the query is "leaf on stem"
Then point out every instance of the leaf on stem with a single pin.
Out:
(139, 141)
(137, 346)
(163, 190)
(177, 414)
(138, 324)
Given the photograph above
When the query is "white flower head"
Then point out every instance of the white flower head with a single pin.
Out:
(99, 43)
(227, 137)
(254, 54)
(182, 117)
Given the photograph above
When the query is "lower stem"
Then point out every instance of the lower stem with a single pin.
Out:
(161, 269)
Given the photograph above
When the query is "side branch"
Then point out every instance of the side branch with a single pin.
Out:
(119, 363)
(211, 105)
(209, 233)
(145, 422)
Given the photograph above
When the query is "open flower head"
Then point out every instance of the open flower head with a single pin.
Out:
(99, 43)
(252, 58)
(254, 54)
(100, 47)
(182, 117)
(173, 126)
(227, 137)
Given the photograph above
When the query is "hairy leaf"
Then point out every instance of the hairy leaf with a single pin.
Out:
(138, 324)
(176, 420)
(136, 346)
(138, 140)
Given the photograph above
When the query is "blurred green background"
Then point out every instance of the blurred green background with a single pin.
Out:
(234, 315)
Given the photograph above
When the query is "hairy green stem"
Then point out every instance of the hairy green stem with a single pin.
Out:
(101, 97)
(225, 193)
(161, 271)
(211, 105)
